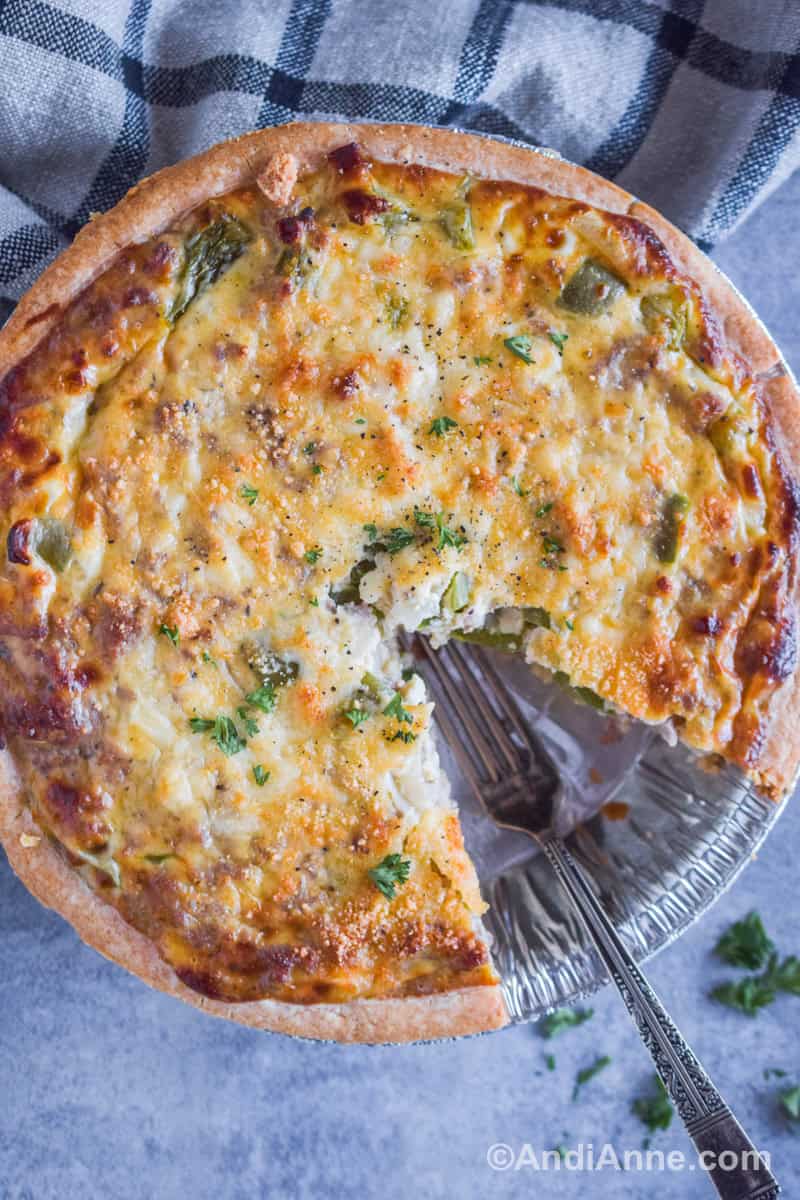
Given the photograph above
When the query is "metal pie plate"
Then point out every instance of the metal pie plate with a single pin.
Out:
(680, 837)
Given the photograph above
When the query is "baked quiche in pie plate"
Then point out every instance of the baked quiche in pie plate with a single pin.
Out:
(321, 385)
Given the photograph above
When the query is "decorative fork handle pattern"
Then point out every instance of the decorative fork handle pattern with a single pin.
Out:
(709, 1122)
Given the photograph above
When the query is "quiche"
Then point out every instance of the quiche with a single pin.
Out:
(319, 385)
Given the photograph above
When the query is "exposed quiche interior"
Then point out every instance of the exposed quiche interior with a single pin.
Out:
(313, 412)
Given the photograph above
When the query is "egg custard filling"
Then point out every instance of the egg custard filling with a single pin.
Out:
(368, 397)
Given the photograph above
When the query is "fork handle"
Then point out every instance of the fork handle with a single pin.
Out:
(709, 1122)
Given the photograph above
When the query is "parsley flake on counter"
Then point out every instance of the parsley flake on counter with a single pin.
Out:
(441, 425)
(550, 1060)
(260, 775)
(558, 340)
(588, 1073)
(745, 944)
(248, 493)
(171, 632)
(563, 1019)
(655, 1111)
(785, 975)
(519, 345)
(390, 873)
(312, 556)
(790, 1103)
(747, 995)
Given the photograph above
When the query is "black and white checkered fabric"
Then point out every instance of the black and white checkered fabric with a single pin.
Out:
(692, 106)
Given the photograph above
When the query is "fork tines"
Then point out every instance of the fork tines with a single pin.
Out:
(478, 716)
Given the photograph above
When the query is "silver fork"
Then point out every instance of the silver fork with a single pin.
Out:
(517, 783)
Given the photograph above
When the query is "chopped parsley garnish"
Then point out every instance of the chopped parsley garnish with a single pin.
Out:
(312, 556)
(361, 420)
(551, 544)
(403, 735)
(395, 540)
(482, 360)
(263, 697)
(260, 775)
(356, 716)
(390, 873)
(569, 624)
(655, 1110)
(441, 425)
(371, 531)
(250, 726)
(544, 509)
(223, 731)
(171, 632)
(446, 536)
(563, 1019)
(745, 944)
(395, 709)
(521, 491)
(227, 736)
(314, 602)
(558, 340)
(520, 345)
(588, 1073)
(309, 447)
(550, 1062)
(248, 493)
(317, 469)
(209, 658)
(201, 724)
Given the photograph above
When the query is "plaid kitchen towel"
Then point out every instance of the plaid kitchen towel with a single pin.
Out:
(692, 106)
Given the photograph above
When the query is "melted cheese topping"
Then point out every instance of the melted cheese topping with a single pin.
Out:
(268, 438)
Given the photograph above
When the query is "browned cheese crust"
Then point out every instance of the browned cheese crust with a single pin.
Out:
(79, 291)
